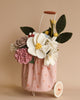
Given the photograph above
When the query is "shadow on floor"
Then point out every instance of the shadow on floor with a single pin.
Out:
(10, 90)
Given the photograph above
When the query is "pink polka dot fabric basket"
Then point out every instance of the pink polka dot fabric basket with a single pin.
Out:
(38, 77)
(38, 53)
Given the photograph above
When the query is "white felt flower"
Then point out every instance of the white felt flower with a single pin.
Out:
(37, 45)
(52, 43)
(51, 58)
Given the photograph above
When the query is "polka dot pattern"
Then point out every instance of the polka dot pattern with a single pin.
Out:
(39, 77)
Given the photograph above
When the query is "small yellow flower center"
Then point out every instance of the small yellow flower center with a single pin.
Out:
(50, 56)
(47, 32)
(38, 46)
(55, 34)
(53, 21)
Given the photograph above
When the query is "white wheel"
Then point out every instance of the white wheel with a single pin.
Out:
(58, 89)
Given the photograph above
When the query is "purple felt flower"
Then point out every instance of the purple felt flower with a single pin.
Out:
(21, 42)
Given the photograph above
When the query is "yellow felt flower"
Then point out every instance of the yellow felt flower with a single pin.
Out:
(53, 21)
(47, 32)
(55, 34)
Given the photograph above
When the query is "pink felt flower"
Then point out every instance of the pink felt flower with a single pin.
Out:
(22, 56)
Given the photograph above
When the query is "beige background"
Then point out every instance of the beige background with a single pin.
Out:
(16, 13)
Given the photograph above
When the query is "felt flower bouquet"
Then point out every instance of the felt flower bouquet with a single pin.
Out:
(42, 45)
(38, 53)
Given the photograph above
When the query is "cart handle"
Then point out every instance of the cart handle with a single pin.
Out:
(49, 12)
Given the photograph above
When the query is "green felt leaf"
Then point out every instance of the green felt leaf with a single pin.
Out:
(25, 46)
(64, 37)
(61, 23)
(32, 61)
(27, 30)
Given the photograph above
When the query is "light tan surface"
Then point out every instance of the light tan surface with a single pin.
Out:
(17, 93)
(16, 13)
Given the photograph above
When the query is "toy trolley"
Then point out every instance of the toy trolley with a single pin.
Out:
(38, 77)
(38, 53)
